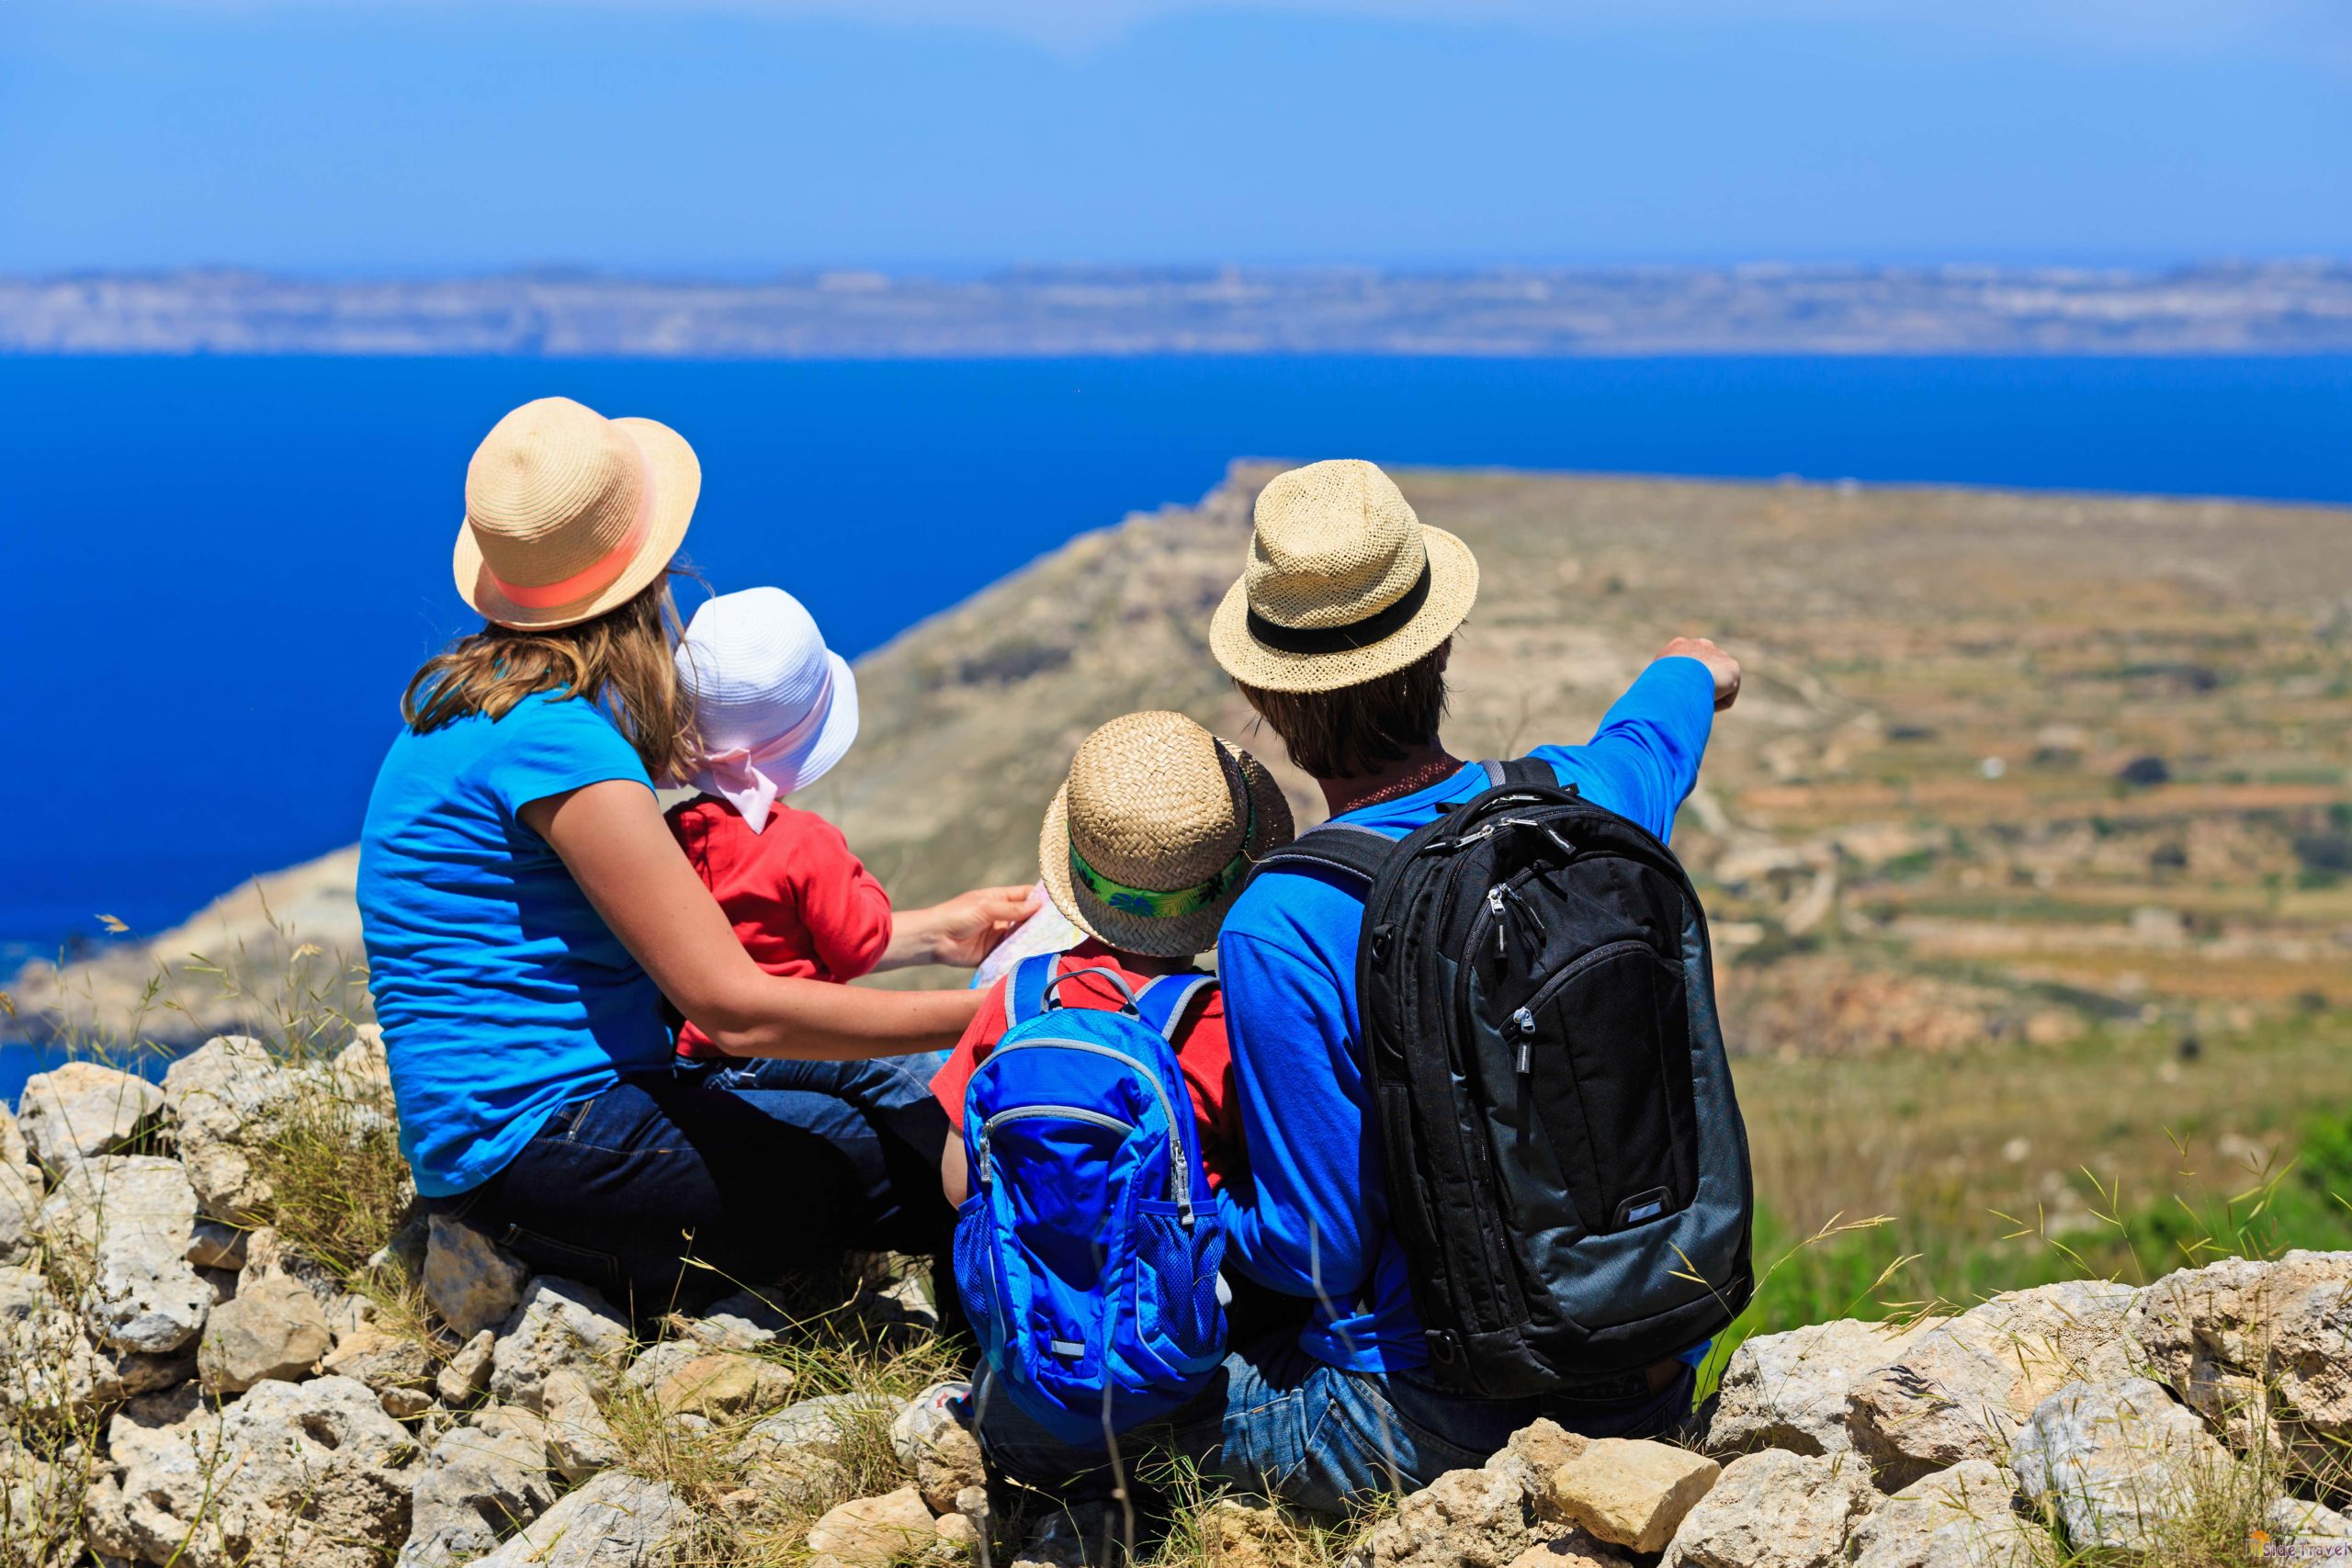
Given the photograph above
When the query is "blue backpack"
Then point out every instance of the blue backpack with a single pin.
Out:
(1087, 1253)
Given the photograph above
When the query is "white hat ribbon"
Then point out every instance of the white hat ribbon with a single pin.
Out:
(739, 776)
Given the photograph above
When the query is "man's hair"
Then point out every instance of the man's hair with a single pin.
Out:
(1358, 730)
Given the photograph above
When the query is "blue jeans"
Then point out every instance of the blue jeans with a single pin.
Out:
(1277, 1423)
(892, 1090)
(669, 1188)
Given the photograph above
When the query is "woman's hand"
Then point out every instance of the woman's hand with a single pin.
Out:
(961, 931)
(616, 845)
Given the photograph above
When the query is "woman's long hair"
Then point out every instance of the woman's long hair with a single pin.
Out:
(620, 660)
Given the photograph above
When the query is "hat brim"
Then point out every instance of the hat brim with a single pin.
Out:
(1454, 589)
(677, 485)
(1179, 936)
(835, 733)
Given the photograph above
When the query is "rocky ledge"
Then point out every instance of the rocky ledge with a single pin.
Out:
(181, 1385)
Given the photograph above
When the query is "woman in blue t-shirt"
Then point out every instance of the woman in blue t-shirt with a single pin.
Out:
(526, 911)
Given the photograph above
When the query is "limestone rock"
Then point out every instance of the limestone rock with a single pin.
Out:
(872, 1532)
(687, 1378)
(961, 1537)
(1961, 1518)
(404, 1403)
(232, 1095)
(615, 1521)
(939, 1449)
(49, 1365)
(300, 1472)
(1789, 1390)
(272, 1329)
(213, 1244)
(471, 1282)
(1473, 1518)
(1632, 1491)
(130, 1216)
(580, 1441)
(559, 1324)
(82, 1110)
(466, 1374)
(226, 1092)
(20, 1199)
(2232, 1337)
(745, 1321)
(1533, 1453)
(1962, 1390)
(480, 1487)
(1575, 1549)
(363, 1069)
(146, 1438)
(14, 1150)
(21, 1190)
(381, 1360)
(796, 1451)
(1776, 1509)
(2291, 1518)
(2113, 1461)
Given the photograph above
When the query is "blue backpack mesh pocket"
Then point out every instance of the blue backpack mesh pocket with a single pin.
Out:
(975, 1274)
(1177, 1313)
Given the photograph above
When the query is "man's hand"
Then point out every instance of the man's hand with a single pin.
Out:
(962, 931)
(1721, 665)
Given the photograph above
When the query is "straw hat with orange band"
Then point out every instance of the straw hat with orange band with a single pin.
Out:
(569, 513)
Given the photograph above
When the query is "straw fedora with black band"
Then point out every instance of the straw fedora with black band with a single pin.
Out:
(1344, 583)
(1148, 842)
(569, 513)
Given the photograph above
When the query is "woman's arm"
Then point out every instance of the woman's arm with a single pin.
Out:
(959, 932)
(612, 838)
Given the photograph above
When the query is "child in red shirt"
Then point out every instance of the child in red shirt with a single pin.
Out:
(1144, 850)
(776, 710)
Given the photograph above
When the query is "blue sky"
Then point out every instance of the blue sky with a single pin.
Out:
(396, 137)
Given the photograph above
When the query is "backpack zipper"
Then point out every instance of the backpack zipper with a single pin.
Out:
(1526, 1021)
(1059, 1113)
(1179, 1188)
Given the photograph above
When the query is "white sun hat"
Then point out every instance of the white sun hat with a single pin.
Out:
(775, 708)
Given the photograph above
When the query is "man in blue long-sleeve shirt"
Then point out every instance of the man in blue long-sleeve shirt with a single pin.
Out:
(1337, 634)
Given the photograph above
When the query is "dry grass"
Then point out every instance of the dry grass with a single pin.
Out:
(340, 1185)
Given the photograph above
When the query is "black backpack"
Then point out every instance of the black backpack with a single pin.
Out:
(1567, 1169)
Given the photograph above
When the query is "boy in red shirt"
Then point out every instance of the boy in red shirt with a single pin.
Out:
(775, 710)
(1144, 848)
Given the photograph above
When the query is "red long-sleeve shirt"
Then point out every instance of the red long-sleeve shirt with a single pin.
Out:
(802, 904)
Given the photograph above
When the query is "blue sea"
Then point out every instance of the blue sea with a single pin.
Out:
(225, 570)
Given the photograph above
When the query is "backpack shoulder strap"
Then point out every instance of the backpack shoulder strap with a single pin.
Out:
(1524, 771)
(1355, 852)
(1024, 988)
(1165, 999)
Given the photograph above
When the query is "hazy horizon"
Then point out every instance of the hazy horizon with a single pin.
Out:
(740, 137)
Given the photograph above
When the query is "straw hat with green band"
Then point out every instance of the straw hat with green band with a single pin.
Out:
(1147, 843)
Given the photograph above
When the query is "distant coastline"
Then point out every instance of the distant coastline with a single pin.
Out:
(2276, 308)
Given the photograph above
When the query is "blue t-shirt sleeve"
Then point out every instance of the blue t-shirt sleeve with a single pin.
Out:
(1643, 758)
(1298, 1225)
(548, 746)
